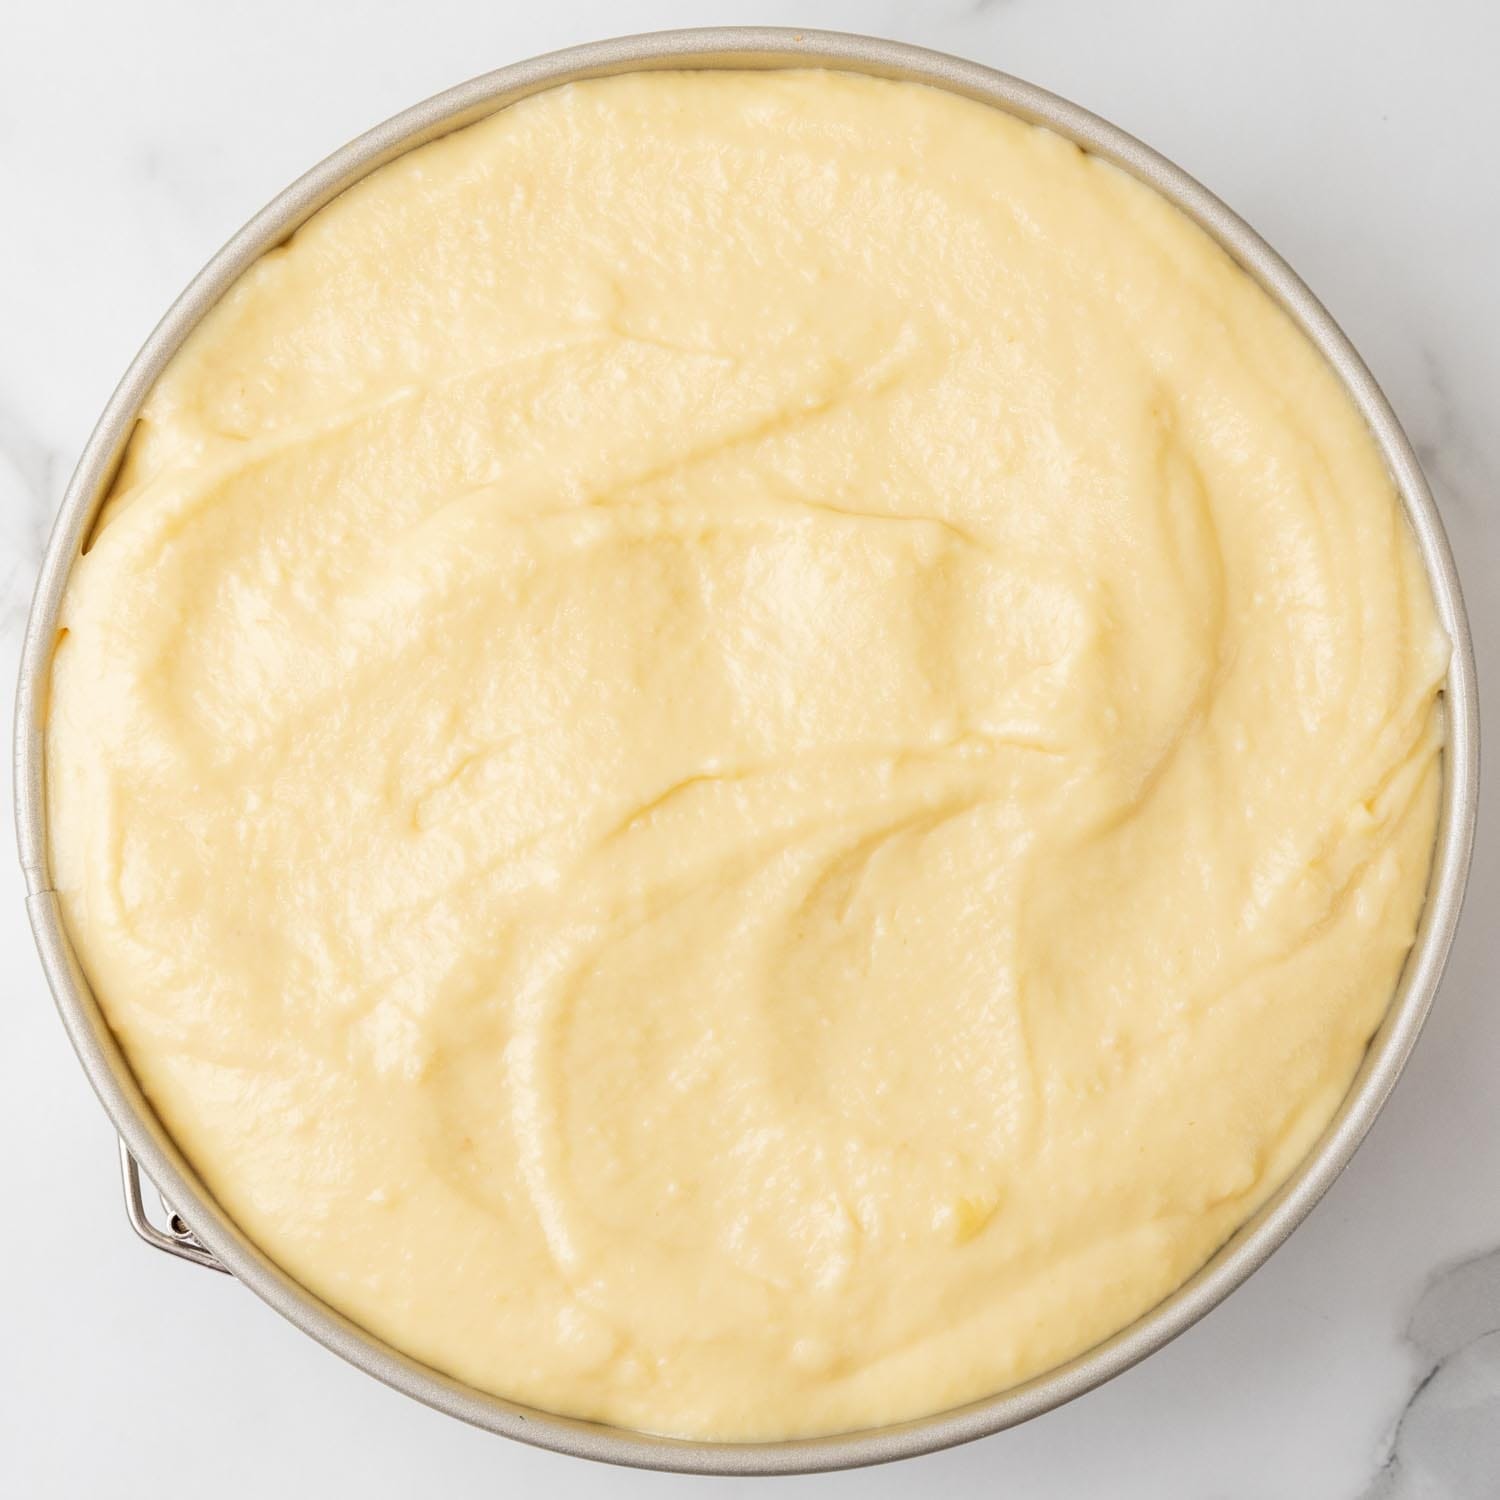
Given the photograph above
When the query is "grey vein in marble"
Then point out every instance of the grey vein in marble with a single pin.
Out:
(1448, 453)
(1446, 1442)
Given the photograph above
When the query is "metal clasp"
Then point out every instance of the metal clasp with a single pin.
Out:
(177, 1238)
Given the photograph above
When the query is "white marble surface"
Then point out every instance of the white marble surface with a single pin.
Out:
(1358, 136)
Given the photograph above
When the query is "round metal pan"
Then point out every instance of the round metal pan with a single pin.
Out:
(111, 1077)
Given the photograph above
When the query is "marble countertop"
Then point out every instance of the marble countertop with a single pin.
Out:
(1356, 135)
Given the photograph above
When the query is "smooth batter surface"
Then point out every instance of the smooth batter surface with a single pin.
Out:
(746, 753)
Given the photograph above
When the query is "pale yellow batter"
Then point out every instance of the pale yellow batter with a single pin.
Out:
(746, 753)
